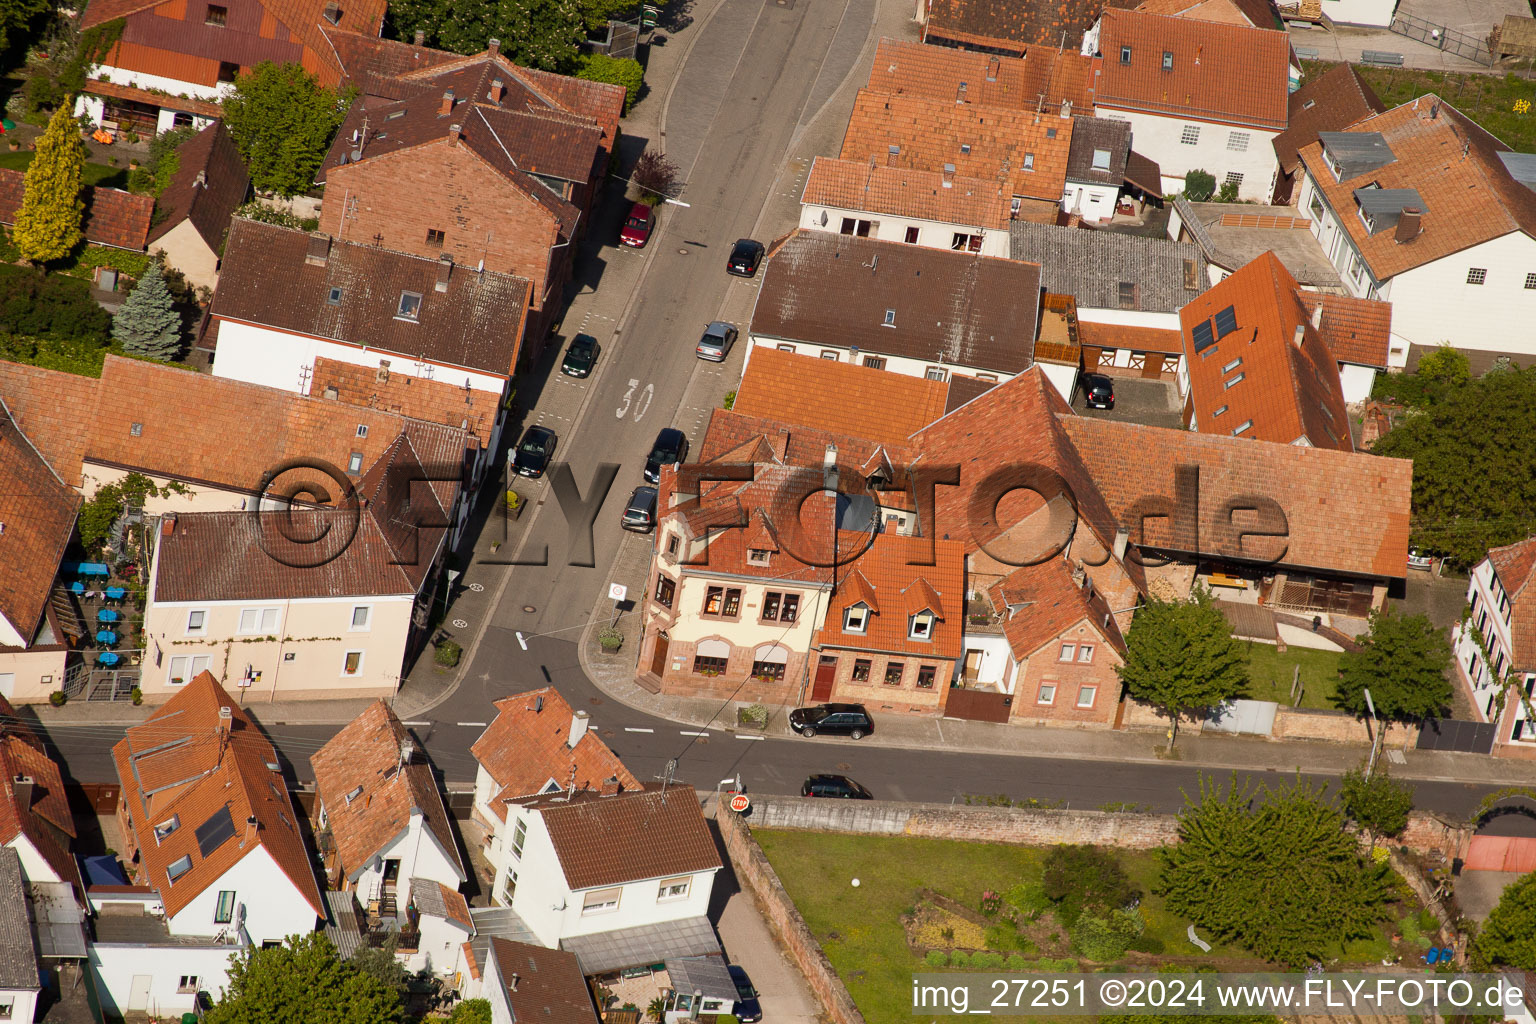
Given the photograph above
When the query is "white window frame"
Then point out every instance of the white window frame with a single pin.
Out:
(191, 666)
(1085, 654)
(921, 626)
(201, 629)
(1190, 136)
(519, 837)
(758, 556)
(187, 983)
(671, 889)
(362, 657)
(367, 626)
(856, 619)
(601, 901)
(409, 308)
(1068, 652)
(1101, 164)
(1047, 694)
(261, 626)
(1092, 692)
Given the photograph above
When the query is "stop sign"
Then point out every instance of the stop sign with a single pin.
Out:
(739, 803)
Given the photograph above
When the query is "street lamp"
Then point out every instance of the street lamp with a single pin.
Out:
(1370, 706)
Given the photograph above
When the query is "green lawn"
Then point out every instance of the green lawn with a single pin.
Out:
(95, 174)
(1487, 99)
(1270, 674)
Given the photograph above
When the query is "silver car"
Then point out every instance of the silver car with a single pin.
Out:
(718, 338)
(640, 512)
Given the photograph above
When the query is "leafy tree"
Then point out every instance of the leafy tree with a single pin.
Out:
(282, 119)
(1468, 495)
(16, 18)
(1508, 937)
(1199, 185)
(155, 175)
(597, 13)
(1085, 879)
(302, 982)
(473, 1011)
(1182, 657)
(655, 176)
(625, 71)
(1402, 661)
(381, 964)
(1446, 366)
(111, 500)
(148, 323)
(1274, 871)
(537, 33)
(48, 223)
(54, 306)
(1378, 804)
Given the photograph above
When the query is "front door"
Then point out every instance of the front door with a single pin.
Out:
(138, 992)
(826, 672)
(659, 656)
(391, 873)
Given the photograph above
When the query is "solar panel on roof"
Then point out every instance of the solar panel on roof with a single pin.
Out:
(216, 831)
(1204, 339)
(1226, 322)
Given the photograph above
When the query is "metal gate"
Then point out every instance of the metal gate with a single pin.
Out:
(978, 705)
(1442, 38)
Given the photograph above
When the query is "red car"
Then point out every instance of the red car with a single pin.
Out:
(637, 226)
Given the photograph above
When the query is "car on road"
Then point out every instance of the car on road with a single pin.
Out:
(638, 226)
(716, 343)
(531, 458)
(839, 787)
(640, 512)
(745, 256)
(832, 719)
(746, 1009)
(580, 354)
(1418, 559)
(1098, 391)
(670, 448)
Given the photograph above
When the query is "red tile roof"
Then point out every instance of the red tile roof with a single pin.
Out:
(896, 578)
(210, 183)
(838, 397)
(1231, 74)
(1256, 381)
(38, 509)
(112, 217)
(365, 758)
(1044, 77)
(1468, 194)
(1127, 336)
(1258, 13)
(903, 192)
(180, 764)
(1041, 602)
(1516, 567)
(1008, 25)
(539, 984)
(1355, 330)
(1331, 102)
(41, 812)
(631, 837)
(419, 398)
(525, 748)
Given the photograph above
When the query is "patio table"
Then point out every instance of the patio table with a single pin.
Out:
(107, 658)
(107, 615)
(77, 588)
(94, 569)
(106, 638)
(115, 593)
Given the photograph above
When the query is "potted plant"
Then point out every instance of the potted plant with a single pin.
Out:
(57, 698)
(137, 696)
(514, 504)
(448, 653)
(753, 716)
(610, 639)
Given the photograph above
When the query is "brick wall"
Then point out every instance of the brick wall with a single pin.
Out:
(1045, 667)
(879, 695)
(1335, 727)
(757, 877)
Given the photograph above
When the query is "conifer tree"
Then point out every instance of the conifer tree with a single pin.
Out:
(48, 223)
(148, 324)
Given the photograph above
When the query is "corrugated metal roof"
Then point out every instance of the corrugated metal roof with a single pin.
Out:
(1377, 201)
(1356, 152)
(1521, 167)
(647, 944)
(705, 975)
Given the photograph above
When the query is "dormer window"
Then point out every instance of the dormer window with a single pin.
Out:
(1125, 55)
(1029, 161)
(178, 867)
(758, 556)
(410, 306)
(1167, 60)
(890, 318)
(856, 619)
(1101, 159)
(165, 828)
(920, 626)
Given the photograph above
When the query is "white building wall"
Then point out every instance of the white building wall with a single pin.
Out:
(931, 234)
(894, 364)
(1482, 589)
(34, 868)
(440, 948)
(274, 908)
(31, 675)
(116, 966)
(1063, 378)
(23, 1003)
(420, 856)
(493, 989)
(1160, 138)
(1434, 304)
(1092, 201)
(174, 86)
(1357, 381)
(639, 904)
(993, 668)
(1360, 12)
(1129, 318)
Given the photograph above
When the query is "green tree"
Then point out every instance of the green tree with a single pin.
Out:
(1403, 662)
(1275, 871)
(1181, 657)
(381, 964)
(1508, 937)
(537, 33)
(1085, 879)
(302, 982)
(16, 18)
(148, 323)
(1378, 804)
(282, 119)
(1199, 185)
(625, 71)
(1227, 193)
(1469, 495)
(655, 176)
(48, 223)
(473, 1011)
(111, 500)
(1446, 366)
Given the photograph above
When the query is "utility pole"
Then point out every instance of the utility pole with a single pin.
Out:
(1370, 705)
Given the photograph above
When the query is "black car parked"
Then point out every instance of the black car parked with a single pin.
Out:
(534, 451)
(1098, 391)
(580, 356)
(832, 719)
(837, 786)
(746, 254)
(670, 447)
(746, 1009)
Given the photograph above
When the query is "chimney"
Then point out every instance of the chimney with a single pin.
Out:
(611, 786)
(447, 107)
(250, 830)
(493, 47)
(421, 37)
(1122, 538)
(319, 251)
(516, 978)
(331, 392)
(497, 91)
(1066, 108)
(226, 718)
(444, 271)
(22, 787)
(1301, 334)
(454, 131)
(1317, 315)
(948, 176)
(1409, 224)
(829, 468)
(201, 181)
(992, 65)
(168, 524)
(579, 722)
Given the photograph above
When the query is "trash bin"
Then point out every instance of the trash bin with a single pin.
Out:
(189, 1018)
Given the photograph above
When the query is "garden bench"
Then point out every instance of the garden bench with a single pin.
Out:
(1381, 58)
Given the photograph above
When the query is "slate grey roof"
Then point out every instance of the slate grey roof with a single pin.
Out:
(1356, 153)
(1098, 133)
(1090, 266)
(1521, 167)
(647, 944)
(341, 925)
(705, 975)
(18, 951)
(1233, 247)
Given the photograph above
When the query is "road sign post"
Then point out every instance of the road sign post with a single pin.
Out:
(740, 802)
(617, 592)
